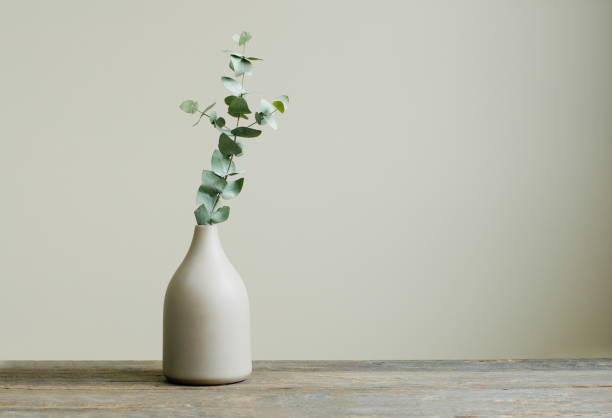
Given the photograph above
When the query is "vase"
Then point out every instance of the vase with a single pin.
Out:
(207, 338)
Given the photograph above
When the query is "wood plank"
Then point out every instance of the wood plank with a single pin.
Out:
(314, 388)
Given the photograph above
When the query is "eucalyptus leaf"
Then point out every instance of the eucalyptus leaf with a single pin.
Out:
(238, 107)
(284, 99)
(241, 66)
(259, 117)
(220, 122)
(265, 107)
(233, 86)
(212, 183)
(225, 131)
(281, 103)
(254, 59)
(229, 99)
(228, 147)
(202, 215)
(220, 215)
(269, 120)
(244, 38)
(206, 198)
(221, 164)
(232, 189)
(189, 106)
(245, 132)
(212, 117)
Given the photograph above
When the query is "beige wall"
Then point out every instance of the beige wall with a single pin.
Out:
(441, 186)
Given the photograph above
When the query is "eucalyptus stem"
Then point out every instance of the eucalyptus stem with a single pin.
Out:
(231, 158)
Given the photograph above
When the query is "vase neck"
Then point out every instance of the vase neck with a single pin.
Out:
(205, 238)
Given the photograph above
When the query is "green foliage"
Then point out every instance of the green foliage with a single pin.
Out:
(233, 86)
(280, 103)
(240, 65)
(189, 106)
(243, 38)
(221, 164)
(265, 115)
(206, 198)
(238, 107)
(232, 189)
(245, 132)
(215, 187)
(212, 183)
(229, 147)
(204, 217)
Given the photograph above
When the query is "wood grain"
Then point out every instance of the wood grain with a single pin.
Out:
(314, 388)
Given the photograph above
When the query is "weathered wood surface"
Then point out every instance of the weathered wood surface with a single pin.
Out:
(314, 388)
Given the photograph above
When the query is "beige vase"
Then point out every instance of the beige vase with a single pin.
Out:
(207, 338)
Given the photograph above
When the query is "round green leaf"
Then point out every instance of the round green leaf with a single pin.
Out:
(233, 86)
(238, 107)
(202, 216)
(228, 147)
(232, 189)
(221, 164)
(220, 215)
(212, 183)
(189, 106)
(206, 198)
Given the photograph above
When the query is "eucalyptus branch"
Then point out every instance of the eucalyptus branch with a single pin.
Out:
(231, 158)
(215, 185)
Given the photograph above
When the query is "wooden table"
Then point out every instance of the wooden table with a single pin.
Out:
(314, 388)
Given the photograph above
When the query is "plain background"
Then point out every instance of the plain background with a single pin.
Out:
(440, 186)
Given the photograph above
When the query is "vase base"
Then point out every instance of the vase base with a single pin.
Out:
(206, 382)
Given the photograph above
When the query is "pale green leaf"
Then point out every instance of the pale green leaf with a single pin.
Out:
(221, 164)
(202, 215)
(220, 215)
(212, 183)
(265, 107)
(206, 197)
(269, 120)
(189, 106)
(212, 117)
(244, 38)
(232, 189)
(233, 86)
(284, 99)
(241, 66)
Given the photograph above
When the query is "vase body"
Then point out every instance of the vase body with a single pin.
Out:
(207, 338)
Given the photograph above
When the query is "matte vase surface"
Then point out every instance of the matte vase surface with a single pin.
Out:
(207, 337)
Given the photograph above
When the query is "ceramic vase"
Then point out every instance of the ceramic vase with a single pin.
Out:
(207, 337)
